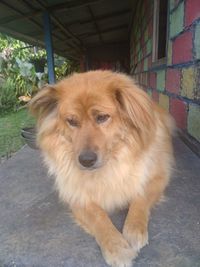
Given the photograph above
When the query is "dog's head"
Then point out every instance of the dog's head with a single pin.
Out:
(97, 113)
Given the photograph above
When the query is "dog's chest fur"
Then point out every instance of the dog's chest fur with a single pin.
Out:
(112, 186)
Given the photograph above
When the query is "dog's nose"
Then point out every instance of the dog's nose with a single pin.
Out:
(87, 158)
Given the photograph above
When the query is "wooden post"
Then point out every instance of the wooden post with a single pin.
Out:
(49, 48)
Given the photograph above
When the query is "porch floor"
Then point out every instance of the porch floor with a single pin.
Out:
(37, 230)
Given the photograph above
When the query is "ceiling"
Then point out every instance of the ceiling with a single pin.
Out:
(77, 25)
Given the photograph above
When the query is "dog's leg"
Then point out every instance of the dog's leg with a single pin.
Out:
(114, 247)
(135, 229)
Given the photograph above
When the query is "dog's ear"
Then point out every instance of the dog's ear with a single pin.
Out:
(44, 101)
(136, 107)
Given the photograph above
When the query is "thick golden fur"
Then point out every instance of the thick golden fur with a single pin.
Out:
(134, 151)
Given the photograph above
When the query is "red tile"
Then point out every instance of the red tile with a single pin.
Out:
(141, 65)
(144, 50)
(152, 80)
(177, 2)
(155, 95)
(192, 11)
(142, 79)
(82, 63)
(142, 40)
(135, 57)
(182, 48)
(146, 3)
(144, 88)
(150, 29)
(178, 109)
(173, 78)
(139, 78)
(149, 61)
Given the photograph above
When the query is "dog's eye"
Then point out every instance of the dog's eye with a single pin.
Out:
(101, 118)
(72, 122)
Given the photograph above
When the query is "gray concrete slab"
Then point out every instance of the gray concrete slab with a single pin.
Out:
(37, 230)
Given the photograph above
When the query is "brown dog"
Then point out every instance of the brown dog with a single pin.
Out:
(109, 146)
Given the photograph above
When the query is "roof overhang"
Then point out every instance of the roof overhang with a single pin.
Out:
(77, 25)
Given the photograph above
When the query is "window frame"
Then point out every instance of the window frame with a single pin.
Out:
(155, 60)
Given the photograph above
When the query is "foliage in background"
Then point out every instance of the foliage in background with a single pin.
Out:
(18, 76)
(8, 99)
(64, 67)
(18, 82)
(10, 131)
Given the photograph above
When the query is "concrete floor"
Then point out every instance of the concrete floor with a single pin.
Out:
(36, 229)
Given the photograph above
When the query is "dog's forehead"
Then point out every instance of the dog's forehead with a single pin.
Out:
(83, 98)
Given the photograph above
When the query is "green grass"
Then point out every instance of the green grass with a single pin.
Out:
(10, 131)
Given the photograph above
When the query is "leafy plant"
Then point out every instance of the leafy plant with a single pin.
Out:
(18, 82)
(64, 67)
(8, 98)
(17, 69)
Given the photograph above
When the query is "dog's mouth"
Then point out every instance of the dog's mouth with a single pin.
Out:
(93, 168)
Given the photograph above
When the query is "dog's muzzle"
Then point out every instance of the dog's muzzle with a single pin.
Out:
(88, 159)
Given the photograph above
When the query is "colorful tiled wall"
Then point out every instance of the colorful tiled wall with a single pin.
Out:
(175, 85)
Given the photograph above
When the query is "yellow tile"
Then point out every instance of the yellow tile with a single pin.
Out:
(188, 82)
(164, 101)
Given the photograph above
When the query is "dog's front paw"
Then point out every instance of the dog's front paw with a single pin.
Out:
(117, 252)
(136, 235)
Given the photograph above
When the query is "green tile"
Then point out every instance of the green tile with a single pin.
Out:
(161, 80)
(169, 53)
(177, 20)
(197, 41)
(146, 35)
(194, 121)
(140, 55)
(172, 4)
(137, 47)
(149, 46)
(149, 92)
(146, 64)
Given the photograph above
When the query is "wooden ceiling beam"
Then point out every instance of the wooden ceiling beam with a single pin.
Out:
(120, 27)
(71, 45)
(20, 12)
(38, 12)
(71, 5)
(95, 23)
(100, 18)
(25, 36)
(77, 41)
